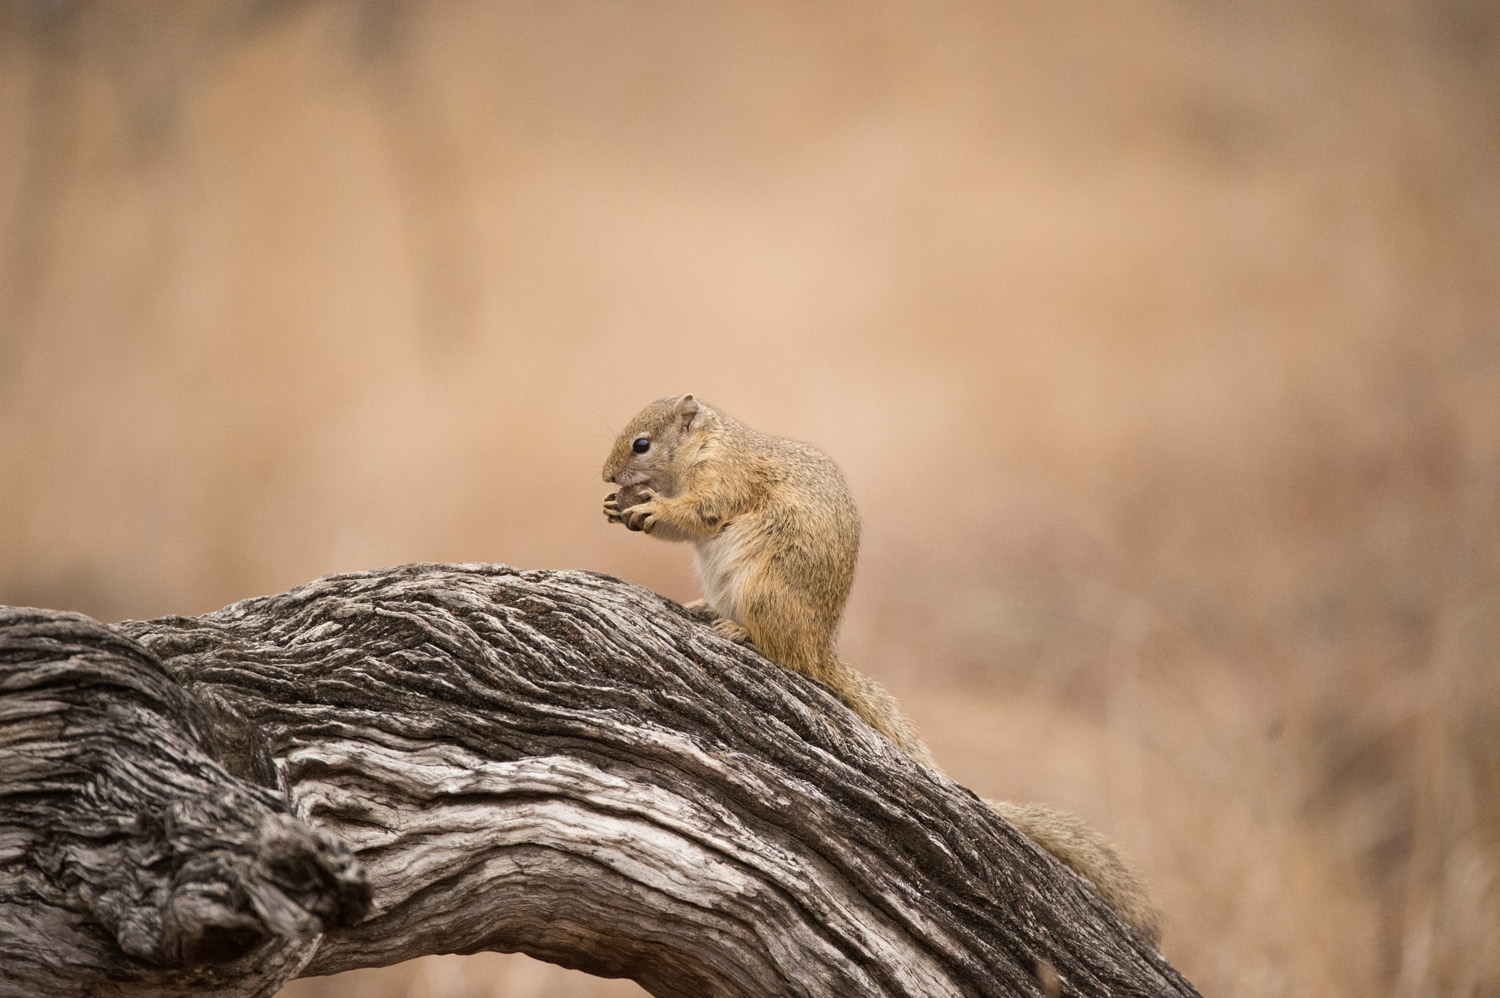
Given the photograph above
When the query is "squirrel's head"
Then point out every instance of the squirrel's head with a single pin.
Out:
(646, 450)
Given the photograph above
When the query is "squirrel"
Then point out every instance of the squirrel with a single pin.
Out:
(777, 535)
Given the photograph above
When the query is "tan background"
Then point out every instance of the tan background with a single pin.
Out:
(1160, 343)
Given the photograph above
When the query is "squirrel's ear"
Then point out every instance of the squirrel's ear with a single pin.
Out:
(687, 412)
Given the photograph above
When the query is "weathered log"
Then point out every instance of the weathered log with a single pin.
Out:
(559, 763)
(131, 861)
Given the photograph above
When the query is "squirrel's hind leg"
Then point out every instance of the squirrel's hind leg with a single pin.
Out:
(703, 610)
(733, 631)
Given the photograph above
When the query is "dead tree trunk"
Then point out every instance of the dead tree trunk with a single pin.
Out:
(431, 759)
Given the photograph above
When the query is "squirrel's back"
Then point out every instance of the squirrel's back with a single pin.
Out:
(783, 563)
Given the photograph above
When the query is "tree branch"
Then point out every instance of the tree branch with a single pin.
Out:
(558, 763)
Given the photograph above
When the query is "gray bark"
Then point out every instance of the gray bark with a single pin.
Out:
(429, 759)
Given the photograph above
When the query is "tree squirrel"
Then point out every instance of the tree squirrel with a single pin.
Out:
(777, 536)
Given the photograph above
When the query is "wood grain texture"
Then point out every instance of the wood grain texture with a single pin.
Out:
(559, 763)
(132, 861)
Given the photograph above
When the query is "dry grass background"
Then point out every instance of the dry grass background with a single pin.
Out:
(1159, 341)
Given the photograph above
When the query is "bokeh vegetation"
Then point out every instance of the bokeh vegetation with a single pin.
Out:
(1160, 343)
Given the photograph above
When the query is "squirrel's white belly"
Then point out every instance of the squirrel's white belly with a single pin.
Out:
(722, 567)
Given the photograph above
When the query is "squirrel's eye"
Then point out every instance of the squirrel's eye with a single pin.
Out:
(641, 445)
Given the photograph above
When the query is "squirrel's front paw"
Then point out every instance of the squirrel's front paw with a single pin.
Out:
(612, 507)
(619, 505)
(642, 515)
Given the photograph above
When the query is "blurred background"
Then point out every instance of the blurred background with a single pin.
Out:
(1159, 341)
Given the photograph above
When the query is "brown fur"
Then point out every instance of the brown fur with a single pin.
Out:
(777, 536)
(1088, 854)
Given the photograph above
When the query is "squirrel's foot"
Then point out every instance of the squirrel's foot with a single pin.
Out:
(702, 609)
(733, 631)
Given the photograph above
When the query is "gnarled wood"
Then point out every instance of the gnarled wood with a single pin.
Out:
(559, 763)
(131, 861)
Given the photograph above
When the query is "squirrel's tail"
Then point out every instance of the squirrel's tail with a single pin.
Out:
(1087, 854)
(1073, 843)
(875, 704)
